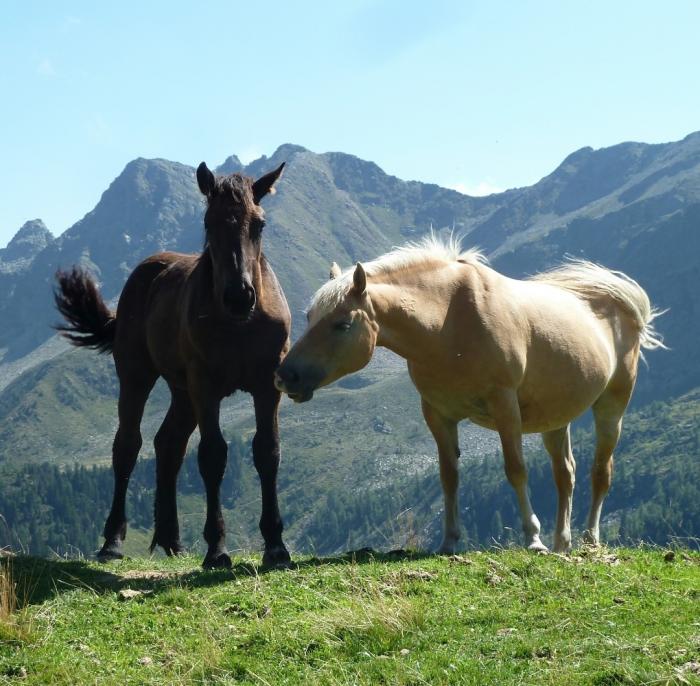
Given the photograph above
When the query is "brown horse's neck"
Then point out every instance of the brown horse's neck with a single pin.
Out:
(204, 272)
(204, 262)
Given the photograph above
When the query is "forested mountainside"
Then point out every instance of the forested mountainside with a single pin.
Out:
(655, 495)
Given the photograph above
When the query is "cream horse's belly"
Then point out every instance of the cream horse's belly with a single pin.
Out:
(557, 371)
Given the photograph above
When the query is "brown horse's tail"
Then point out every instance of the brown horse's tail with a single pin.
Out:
(91, 324)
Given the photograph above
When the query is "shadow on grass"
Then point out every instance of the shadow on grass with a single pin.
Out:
(38, 579)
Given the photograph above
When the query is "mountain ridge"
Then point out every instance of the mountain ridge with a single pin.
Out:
(336, 206)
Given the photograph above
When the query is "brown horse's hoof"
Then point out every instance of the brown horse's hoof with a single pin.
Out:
(170, 548)
(110, 551)
(220, 560)
(173, 549)
(276, 557)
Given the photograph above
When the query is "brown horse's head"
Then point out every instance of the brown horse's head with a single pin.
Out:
(340, 339)
(234, 222)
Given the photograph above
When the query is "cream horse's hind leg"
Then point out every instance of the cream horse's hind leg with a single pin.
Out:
(505, 411)
(607, 412)
(558, 445)
(445, 434)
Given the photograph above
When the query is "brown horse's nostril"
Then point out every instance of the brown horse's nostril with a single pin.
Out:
(239, 297)
(249, 295)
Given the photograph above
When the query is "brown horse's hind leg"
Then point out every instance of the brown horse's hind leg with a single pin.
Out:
(607, 412)
(558, 445)
(125, 450)
(445, 434)
(504, 408)
(170, 445)
(266, 456)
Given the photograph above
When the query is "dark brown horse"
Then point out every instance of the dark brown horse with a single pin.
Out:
(209, 324)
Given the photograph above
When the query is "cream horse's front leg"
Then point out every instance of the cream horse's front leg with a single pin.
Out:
(505, 411)
(444, 432)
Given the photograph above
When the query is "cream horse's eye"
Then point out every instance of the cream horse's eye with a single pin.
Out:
(342, 326)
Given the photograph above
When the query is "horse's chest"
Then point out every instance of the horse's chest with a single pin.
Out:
(238, 359)
(239, 369)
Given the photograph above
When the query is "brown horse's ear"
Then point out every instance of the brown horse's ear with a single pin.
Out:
(359, 280)
(206, 180)
(335, 271)
(265, 184)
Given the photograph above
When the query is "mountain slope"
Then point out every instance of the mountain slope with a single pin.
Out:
(337, 207)
(153, 205)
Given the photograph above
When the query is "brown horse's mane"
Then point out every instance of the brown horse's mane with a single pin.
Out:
(239, 187)
(235, 188)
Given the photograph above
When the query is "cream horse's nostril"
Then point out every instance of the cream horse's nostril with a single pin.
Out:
(284, 377)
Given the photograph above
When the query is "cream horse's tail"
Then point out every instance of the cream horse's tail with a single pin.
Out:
(590, 280)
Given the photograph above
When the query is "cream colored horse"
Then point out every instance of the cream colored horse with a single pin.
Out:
(513, 356)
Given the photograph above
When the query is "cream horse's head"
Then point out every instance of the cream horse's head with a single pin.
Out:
(340, 337)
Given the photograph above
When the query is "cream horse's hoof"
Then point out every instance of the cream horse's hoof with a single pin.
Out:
(562, 545)
(591, 539)
(538, 547)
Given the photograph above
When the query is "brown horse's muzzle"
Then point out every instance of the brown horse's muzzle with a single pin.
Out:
(239, 299)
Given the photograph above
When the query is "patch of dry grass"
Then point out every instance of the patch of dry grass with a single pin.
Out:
(13, 622)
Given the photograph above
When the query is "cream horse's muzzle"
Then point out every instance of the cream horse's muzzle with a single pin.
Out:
(298, 386)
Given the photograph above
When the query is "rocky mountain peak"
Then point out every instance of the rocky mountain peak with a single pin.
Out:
(574, 161)
(231, 165)
(26, 244)
(264, 164)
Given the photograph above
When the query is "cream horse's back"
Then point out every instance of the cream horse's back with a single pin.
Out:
(513, 356)
(540, 340)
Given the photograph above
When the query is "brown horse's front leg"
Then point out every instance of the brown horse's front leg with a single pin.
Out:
(212, 463)
(266, 455)
(170, 445)
(212, 456)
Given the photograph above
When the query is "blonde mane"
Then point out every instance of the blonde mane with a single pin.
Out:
(429, 249)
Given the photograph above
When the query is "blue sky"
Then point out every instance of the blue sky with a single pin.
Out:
(473, 95)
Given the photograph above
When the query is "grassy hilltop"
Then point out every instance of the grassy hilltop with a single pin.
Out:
(492, 617)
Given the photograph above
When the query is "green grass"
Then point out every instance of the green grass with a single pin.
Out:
(495, 617)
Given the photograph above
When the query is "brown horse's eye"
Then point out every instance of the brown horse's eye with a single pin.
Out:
(342, 326)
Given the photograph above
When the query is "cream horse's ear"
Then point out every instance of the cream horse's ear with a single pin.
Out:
(335, 271)
(359, 279)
